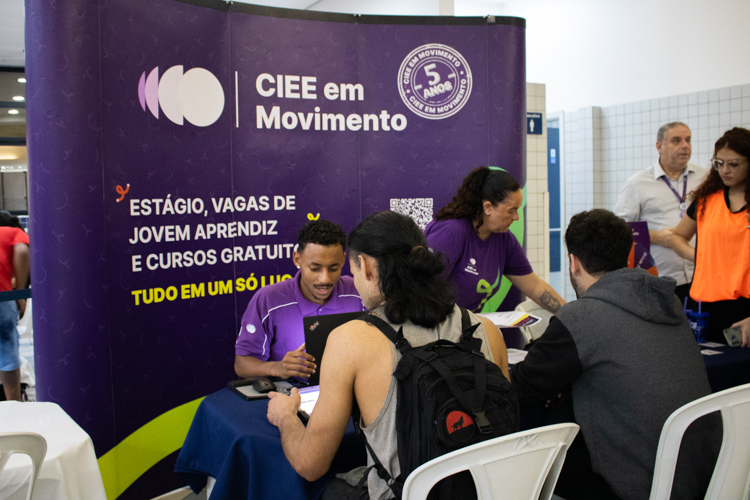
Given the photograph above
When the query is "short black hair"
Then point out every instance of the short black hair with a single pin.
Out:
(321, 232)
(600, 240)
(7, 219)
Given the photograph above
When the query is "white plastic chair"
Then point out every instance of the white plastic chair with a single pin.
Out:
(33, 445)
(519, 466)
(731, 477)
(535, 331)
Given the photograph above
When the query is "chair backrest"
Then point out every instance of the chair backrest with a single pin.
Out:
(533, 332)
(731, 477)
(519, 466)
(33, 445)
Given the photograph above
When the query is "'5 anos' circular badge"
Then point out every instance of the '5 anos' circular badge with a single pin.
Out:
(434, 81)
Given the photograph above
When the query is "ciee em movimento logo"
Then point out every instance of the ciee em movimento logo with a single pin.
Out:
(195, 95)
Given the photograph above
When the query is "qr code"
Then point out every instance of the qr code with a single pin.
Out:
(419, 209)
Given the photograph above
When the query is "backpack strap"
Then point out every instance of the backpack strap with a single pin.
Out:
(467, 335)
(475, 399)
(396, 485)
(397, 337)
(465, 320)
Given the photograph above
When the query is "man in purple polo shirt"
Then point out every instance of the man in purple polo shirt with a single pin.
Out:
(271, 342)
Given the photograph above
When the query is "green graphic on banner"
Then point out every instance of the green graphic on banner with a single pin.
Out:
(144, 448)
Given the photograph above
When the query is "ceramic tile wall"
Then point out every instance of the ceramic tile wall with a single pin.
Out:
(581, 137)
(629, 131)
(603, 147)
(537, 217)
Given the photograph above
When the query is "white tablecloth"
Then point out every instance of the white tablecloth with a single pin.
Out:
(69, 471)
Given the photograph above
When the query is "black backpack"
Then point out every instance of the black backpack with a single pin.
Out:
(449, 396)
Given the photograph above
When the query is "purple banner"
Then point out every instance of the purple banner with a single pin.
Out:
(175, 151)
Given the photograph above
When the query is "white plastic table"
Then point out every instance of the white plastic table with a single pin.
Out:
(69, 471)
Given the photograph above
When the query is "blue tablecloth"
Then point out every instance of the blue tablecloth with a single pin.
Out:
(232, 441)
(728, 369)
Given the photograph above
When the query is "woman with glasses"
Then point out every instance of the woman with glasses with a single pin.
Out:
(719, 216)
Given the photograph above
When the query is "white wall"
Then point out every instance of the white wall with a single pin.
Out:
(11, 33)
(379, 7)
(601, 53)
(587, 52)
(604, 146)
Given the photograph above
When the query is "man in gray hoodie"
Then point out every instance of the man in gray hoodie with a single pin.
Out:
(618, 361)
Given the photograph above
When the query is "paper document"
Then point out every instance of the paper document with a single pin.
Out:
(709, 352)
(515, 356)
(711, 344)
(511, 319)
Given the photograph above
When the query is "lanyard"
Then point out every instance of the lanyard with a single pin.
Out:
(681, 199)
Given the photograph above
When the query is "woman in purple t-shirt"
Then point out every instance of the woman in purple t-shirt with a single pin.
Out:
(471, 232)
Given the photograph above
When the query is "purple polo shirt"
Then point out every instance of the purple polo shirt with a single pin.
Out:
(272, 323)
(475, 267)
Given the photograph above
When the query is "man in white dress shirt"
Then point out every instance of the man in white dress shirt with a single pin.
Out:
(659, 196)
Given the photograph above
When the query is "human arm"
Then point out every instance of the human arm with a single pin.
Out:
(21, 263)
(681, 237)
(551, 365)
(539, 291)
(662, 238)
(310, 450)
(497, 345)
(744, 325)
(628, 207)
(268, 334)
(295, 363)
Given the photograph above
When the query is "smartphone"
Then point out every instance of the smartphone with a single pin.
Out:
(733, 336)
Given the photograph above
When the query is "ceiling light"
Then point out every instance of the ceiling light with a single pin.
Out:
(13, 111)
(22, 80)
(18, 98)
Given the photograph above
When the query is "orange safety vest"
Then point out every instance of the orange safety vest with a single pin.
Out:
(722, 259)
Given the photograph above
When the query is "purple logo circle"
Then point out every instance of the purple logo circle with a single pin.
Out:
(434, 81)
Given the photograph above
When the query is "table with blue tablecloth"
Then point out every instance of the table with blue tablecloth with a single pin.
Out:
(728, 369)
(232, 441)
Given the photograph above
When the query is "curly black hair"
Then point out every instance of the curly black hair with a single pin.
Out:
(321, 232)
(738, 140)
(482, 184)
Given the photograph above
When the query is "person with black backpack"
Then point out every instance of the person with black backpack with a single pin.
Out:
(424, 376)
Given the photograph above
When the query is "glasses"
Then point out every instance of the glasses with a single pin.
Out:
(732, 164)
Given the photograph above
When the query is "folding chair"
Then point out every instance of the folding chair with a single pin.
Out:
(731, 477)
(520, 466)
(33, 445)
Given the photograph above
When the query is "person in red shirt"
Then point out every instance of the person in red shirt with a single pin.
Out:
(14, 273)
